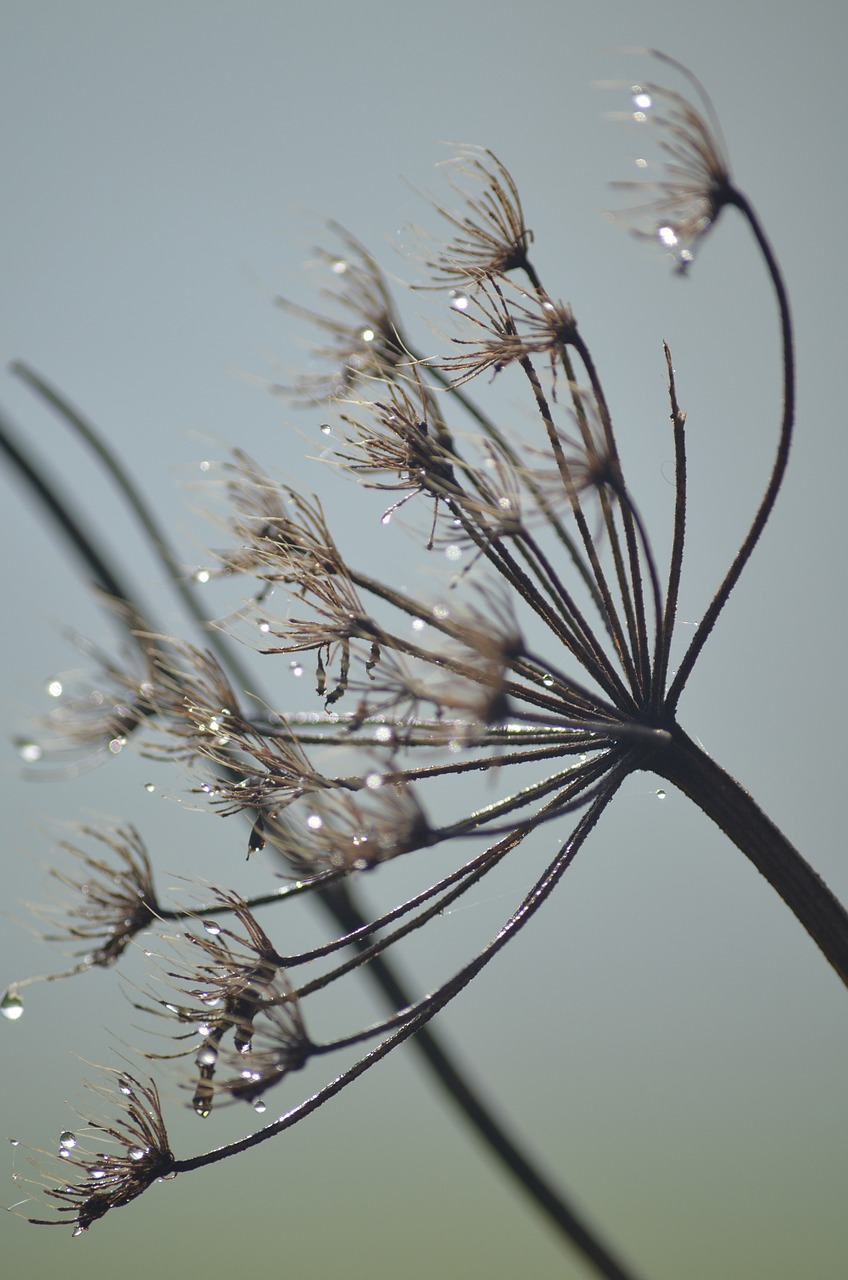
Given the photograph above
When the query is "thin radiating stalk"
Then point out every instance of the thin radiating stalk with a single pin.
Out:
(766, 506)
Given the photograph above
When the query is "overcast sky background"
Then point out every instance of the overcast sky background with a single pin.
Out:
(664, 1035)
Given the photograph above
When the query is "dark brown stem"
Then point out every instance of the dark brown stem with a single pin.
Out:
(721, 798)
(769, 498)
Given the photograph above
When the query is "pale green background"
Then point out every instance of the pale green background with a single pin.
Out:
(664, 1035)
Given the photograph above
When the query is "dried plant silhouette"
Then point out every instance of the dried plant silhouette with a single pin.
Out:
(542, 662)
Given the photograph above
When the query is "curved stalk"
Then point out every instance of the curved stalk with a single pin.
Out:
(766, 506)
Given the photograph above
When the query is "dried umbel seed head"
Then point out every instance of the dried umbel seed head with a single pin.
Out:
(680, 207)
(362, 339)
(112, 1178)
(490, 236)
(114, 897)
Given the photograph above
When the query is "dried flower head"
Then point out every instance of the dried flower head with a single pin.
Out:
(238, 986)
(344, 831)
(683, 205)
(108, 1180)
(97, 719)
(364, 341)
(491, 237)
(513, 325)
(114, 897)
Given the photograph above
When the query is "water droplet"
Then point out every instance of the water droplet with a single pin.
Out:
(212, 928)
(441, 611)
(314, 822)
(384, 733)
(149, 787)
(459, 301)
(29, 751)
(641, 99)
(547, 680)
(326, 429)
(417, 624)
(204, 466)
(264, 626)
(207, 1055)
(11, 1006)
(77, 1231)
(116, 745)
(16, 1142)
(367, 335)
(660, 794)
(125, 1088)
(136, 1153)
(54, 688)
(98, 1173)
(339, 267)
(641, 163)
(386, 519)
(374, 781)
(453, 552)
(202, 575)
(259, 1107)
(668, 236)
(296, 669)
(67, 1140)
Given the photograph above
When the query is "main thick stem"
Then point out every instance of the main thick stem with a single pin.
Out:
(721, 797)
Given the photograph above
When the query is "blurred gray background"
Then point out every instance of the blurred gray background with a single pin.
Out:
(664, 1035)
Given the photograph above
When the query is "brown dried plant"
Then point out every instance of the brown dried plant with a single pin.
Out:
(541, 664)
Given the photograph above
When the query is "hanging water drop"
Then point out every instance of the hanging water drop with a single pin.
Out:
(212, 928)
(29, 751)
(207, 1056)
(149, 787)
(259, 1107)
(459, 301)
(660, 794)
(67, 1140)
(54, 688)
(11, 1006)
(136, 1153)
(264, 626)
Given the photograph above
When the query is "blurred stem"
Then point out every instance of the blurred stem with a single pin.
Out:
(491, 1131)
